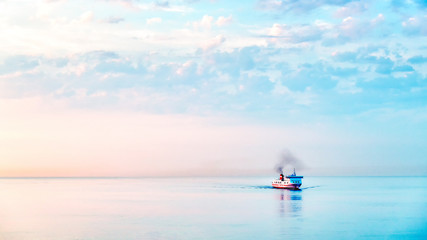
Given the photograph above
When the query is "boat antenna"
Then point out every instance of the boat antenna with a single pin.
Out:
(294, 172)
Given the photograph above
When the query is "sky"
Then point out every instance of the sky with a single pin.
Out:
(212, 88)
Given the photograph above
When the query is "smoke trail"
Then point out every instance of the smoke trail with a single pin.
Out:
(288, 159)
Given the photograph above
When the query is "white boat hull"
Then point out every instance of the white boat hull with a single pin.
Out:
(287, 186)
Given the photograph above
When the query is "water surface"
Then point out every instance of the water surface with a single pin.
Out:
(212, 208)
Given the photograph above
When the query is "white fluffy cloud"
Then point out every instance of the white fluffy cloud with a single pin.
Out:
(222, 21)
(207, 22)
(213, 43)
(294, 34)
(153, 20)
(204, 24)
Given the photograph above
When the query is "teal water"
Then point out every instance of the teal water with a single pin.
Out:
(212, 208)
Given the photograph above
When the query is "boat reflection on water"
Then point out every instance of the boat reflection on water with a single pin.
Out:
(290, 202)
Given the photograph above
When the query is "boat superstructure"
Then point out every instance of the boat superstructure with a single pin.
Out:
(291, 181)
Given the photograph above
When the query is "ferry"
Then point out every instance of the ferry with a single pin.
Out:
(290, 182)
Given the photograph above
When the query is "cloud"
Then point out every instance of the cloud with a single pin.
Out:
(342, 72)
(162, 4)
(207, 22)
(310, 75)
(154, 20)
(87, 17)
(415, 26)
(276, 30)
(345, 56)
(187, 69)
(344, 87)
(402, 86)
(379, 19)
(222, 21)
(293, 34)
(280, 89)
(165, 6)
(305, 97)
(113, 20)
(53, 1)
(204, 24)
(403, 68)
(368, 54)
(351, 9)
(213, 64)
(213, 43)
(297, 6)
(238, 60)
(417, 59)
(19, 63)
(353, 29)
(249, 79)
(384, 65)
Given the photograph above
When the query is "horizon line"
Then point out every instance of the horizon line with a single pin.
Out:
(195, 176)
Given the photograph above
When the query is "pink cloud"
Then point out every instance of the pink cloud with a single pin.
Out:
(204, 24)
(213, 43)
(222, 21)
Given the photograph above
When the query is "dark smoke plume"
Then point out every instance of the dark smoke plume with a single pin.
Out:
(287, 159)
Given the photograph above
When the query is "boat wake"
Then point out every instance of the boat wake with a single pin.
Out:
(249, 187)
(262, 187)
(271, 187)
(309, 187)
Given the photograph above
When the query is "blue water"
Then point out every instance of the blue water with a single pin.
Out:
(212, 208)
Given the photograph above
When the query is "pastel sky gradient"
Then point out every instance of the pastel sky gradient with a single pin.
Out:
(194, 87)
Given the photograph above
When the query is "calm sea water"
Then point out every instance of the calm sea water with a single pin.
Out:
(213, 208)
